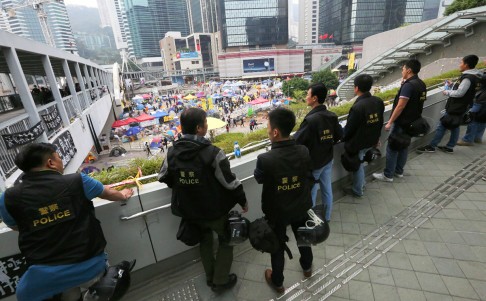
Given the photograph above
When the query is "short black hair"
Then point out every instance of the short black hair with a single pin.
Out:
(320, 91)
(34, 155)
(363, 82)
(471, 60)
(413, 65)
(283, 120)
(190, 119)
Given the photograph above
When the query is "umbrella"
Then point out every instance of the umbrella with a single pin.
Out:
(170, 133)
(159, 114)
(200, 94)
(137, 98)
(146, 96)
(215, 123)
(140, 106)
(133, 131)
(156, 139)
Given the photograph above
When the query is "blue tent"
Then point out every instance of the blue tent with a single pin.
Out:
(159, 114)
(217, 96)
(133, 131)
(140, 106)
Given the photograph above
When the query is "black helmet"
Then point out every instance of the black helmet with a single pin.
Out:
(316, 229)
(350, 162)
(372, 154)
(113, 284)
(238, 228)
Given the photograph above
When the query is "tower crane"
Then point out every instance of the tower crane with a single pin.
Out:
(38, 6)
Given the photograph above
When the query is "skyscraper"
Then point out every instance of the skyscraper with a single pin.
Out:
(149, 21)
(308, 21)
(105, 9)
(351, 21)
(24, 21)
(203, 15)
(254, 23)
(115, 11)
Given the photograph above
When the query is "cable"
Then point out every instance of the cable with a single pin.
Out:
(314, 221)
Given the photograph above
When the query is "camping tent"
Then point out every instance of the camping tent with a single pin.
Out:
(259, 101)
(143, 117)
(123, 122)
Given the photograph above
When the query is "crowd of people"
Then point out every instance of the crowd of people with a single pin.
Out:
(67, 250)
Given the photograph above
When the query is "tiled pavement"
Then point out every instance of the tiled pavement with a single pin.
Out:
(442, 259)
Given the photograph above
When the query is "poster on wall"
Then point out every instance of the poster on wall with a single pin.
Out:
(258, 65)
(52, 120)
(24, 137)
(11, 269)
(65, 147)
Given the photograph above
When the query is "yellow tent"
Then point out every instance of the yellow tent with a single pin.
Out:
(246, 98)
(215, 123)
(190, 97)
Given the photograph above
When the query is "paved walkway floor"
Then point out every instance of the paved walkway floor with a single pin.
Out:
(422, 237)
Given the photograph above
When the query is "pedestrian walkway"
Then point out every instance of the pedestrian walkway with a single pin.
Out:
(422, 237)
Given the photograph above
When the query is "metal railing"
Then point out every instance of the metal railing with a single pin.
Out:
(83, 103)
(44, 110)
(70, 107)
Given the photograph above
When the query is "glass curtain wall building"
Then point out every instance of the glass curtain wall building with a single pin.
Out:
(150, 20)
(254, 22)
(24, 21)
(351, 21)
(203, 15)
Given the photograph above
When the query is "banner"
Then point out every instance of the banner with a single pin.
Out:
(52, 120)
(258, 65)
(24, 137)
(65, 147)
(11, 269)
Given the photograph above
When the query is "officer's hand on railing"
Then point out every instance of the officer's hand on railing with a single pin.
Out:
(245, 208)
(127, 193)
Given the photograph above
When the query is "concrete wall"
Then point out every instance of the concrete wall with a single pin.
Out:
(377, 44)
(450, 55)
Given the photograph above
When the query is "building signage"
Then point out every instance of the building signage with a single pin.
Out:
(258, 65)
(52, 120)
(24, 137)
(187, 55)
(65, 147)
(11, 269)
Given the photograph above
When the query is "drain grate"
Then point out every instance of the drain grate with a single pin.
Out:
(331, 277)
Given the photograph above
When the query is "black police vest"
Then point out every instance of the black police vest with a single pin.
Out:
(196, 193)
(459, 105)
(287, 183)
(413, 109)
(56, 222)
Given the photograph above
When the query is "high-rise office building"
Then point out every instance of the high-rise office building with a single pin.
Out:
(115, 11)
(105, 11)
(203, 15)
(149, 21)
(308, 21)
(24, 21)
(254, 23)
(351, 21)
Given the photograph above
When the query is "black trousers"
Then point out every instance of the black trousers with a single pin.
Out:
(278, 258)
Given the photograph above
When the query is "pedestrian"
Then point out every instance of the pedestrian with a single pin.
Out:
(363, 128)
(460, 100)
(286, 174)
(407, 107)
(234, 122)
(165, 142)
(319, 131)
(227, 128)
(201, 197)
(59, 235)
(147, 149)
(475, 130)
(242, 121)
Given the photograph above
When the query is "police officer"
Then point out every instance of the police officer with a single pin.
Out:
(407, 108)
(59, 235)
(203, 191)
(363, 128)
(286, 174)
(319, 131)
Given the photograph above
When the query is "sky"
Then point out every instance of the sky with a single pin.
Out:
(90, 3)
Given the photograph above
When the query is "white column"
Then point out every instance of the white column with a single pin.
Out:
(22, 87)
(81, 83)
(72, 87)
(51, 77)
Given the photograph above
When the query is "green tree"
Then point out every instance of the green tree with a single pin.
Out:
(459, 5)
(326, 77)
(295, 84)
(300, 95)
(351, 71)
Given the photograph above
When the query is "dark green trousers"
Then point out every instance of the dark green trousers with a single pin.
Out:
(217, 268)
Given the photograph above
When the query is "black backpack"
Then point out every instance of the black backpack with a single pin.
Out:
(480, 116)
(262, 236)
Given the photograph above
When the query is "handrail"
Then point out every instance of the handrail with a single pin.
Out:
(146, 212)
